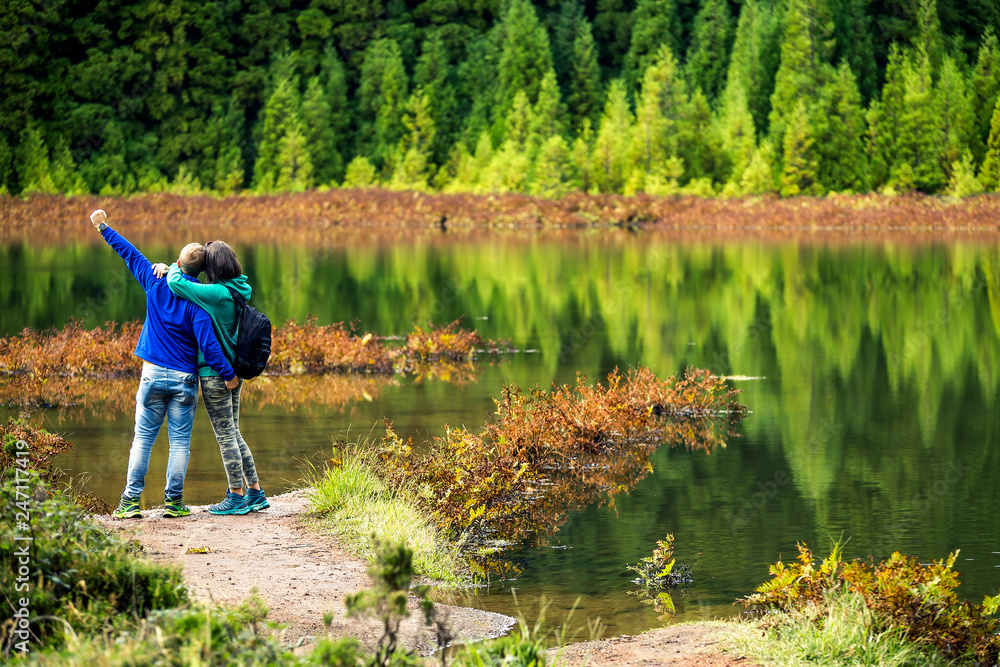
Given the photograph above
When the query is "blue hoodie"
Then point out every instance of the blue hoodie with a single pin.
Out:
(175, 329)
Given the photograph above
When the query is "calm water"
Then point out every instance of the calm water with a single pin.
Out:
(873, 415)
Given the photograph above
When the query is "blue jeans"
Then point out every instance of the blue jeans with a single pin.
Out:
(162, 393)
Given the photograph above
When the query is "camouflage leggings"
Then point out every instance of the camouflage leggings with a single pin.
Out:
(223, 409)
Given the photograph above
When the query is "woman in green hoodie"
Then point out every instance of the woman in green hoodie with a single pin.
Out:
(224, 272)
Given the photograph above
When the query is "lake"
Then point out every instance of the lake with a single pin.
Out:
(871, 373)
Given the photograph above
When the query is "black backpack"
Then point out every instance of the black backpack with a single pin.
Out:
(253, 339)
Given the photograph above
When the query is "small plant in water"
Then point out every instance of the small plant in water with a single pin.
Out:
(659, 573)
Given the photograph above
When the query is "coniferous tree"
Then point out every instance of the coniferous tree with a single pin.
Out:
(929, 39)
(413, 164)
(855, 45)
(805, 45)
(525, 57)
(920, 131)
(548, 112)
(838, 128)
(583, 95)
(700, 141)
(799, 173)
(281, 118)
(952, 100)
(33, 168)
(107, 171)
(654, 23)
(568, 27)
(753, 62)
(963, 181)
(738, 136)
(985, 87)
(551, 168)
(65, 176)
(611, 146)
(478, 74)
(295, 172)
(581, 165)
(758, 178)
(6, 166)
(884, 119)
(230, 171)
(652, 128)
(433, 74)
(382, 94)
(989, 174)
(711, 42)
(321, 139)
(360, 173)
(333, 79)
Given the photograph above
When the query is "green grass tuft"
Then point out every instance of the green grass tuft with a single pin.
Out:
(840, 631)
(355, 505)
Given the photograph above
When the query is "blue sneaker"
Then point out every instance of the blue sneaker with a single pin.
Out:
(256, 500)
(231, 504)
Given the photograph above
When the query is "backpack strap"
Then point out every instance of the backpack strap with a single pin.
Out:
(237, 297)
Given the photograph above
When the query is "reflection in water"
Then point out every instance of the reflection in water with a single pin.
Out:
(876, 417)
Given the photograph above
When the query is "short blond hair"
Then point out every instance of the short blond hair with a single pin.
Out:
(192, 259)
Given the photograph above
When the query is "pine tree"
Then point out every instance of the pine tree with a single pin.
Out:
(321, 140)
(884, 119)
(360, 173)
(652, 129)
(758, 178)
(568, 27)
(551, 168)
(581, 165)
(920, 132)
(753, 63)
(929, 38)
(738, 135)
(583, 95)
(477, 75)
(855, 45)
(382, 94)
(6, 168)
(654, 23)
(989, 174)
(33, 169)
(799, 174)
(985, 87)
(295, 172)
(281, 117)
(963, 181)
(525, 57)
(519, 122)
(611, 148)
(107, 171)
(414, 165)
(708, 55)
(700, 141)
(333, 79)
(230, 172)
(433, 74)
(838, 127)
(548, 112)
(65, 176)
(805, 45)
(952, 100)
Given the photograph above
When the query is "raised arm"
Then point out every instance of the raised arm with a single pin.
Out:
(135, 260)
(209, 345)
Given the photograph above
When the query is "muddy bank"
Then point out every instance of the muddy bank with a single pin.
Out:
(689, 645)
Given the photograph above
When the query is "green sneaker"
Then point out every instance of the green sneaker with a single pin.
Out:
(128, 508)
(174, 507)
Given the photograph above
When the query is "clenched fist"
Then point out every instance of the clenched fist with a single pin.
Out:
(98, 217)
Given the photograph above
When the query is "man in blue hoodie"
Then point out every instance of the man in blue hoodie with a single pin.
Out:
(174, 330)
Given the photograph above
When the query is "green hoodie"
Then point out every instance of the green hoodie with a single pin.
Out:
(216, 300)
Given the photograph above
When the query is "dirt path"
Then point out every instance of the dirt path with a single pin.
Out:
(301, 574)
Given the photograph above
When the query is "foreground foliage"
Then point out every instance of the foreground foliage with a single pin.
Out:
(917, 600)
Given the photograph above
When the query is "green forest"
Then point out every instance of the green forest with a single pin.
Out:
(702, 97)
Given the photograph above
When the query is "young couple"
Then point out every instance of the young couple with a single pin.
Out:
(189, 334)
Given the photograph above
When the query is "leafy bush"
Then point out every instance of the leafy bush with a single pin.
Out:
(80, 575)
(919, 599)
